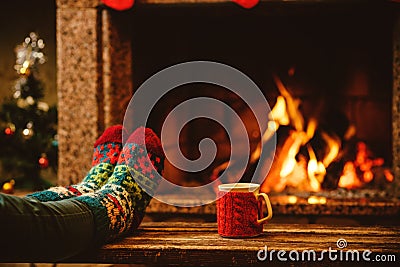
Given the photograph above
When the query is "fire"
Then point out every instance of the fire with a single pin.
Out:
(349, 179)
(316, 170)
(364, 163)
(333, 144)
(290, 161)
(388, 175)
(290, 170)
(300, 166)
(292, 108)
(279, 115)
(293, 169)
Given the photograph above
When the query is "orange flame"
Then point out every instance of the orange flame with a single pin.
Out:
(296, 118)
(316, 171)
(291, 169)
(333, 144)
(286, 111)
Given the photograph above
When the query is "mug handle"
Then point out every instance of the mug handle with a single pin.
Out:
(269, 208)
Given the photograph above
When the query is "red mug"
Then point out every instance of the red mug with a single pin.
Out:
(240, 210)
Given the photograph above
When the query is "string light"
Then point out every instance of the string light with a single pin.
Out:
(29, 54)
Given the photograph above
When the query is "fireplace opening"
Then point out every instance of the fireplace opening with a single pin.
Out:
(331, 61)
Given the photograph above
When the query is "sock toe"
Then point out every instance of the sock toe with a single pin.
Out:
(111, 134)
(146, 136)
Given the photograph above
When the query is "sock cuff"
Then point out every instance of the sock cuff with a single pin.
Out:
(112, 134)
(44, 196)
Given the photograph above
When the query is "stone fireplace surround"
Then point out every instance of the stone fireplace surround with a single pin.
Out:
(94, 80)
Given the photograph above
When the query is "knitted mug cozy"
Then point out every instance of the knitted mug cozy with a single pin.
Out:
(237, 214)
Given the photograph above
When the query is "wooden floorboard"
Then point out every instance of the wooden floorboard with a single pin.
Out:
(198, 244)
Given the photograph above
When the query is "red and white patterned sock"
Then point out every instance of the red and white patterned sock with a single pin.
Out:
(119, 205)
(106, 152)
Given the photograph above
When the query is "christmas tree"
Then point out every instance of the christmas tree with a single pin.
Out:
(28, 136)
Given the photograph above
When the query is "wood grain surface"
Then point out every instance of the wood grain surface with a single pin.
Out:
(198, 244)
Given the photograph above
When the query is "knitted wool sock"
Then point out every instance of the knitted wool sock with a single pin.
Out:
(120, 204)
(107, 149)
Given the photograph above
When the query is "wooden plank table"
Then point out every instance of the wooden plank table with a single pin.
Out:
(198, 244)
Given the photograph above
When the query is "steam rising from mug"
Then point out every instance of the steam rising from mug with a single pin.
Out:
(152, 90)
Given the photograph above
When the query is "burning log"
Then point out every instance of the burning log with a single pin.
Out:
(333, 173)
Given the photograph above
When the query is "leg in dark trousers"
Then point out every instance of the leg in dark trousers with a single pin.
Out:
(32, 231)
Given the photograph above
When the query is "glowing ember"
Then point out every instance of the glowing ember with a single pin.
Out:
(388, 175)
(349, 178)
(316, 200)
(364, 164)
(292, 199)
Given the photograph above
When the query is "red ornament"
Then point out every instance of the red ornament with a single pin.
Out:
(246, 3)
(8, 131)
(43, 162)
(119, 4)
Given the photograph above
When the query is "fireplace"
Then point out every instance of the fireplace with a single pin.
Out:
(338, 59)
(339, 69)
